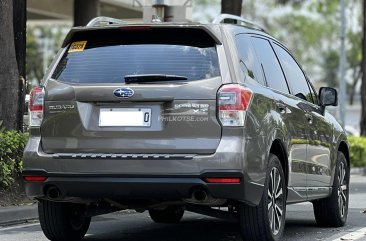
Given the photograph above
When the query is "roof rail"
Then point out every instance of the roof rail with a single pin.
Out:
(222, 17)
(102, 21)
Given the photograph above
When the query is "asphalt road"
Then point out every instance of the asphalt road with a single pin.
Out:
(130, 226)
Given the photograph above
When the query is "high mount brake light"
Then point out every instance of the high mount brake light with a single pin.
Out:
(36, 105)
(135, 28)
(233, 102)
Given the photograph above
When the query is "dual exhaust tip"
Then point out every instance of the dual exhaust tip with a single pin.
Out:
(53, 193)
(199, 195)
(202, 197)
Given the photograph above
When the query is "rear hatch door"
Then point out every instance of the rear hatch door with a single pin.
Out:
(136, 89)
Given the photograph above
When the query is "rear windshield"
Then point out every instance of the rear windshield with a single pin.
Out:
(103, 60)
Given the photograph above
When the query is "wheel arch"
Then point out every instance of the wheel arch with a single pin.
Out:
(278, 149)
(343, 147)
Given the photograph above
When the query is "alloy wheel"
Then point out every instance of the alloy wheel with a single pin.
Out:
(342, 189)
(275, 201)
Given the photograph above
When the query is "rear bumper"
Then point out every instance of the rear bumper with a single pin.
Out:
(167, 176)
(172, 187)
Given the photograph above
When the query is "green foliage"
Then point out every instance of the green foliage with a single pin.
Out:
(354, 53)
(357, 151)
(310, 29)
(330, 65)
(11, 151)
(34, 57)
(36, 34)
(205, 2)
(325, 7)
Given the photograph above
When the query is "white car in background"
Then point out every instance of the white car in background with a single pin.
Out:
(351, 130)
(26, 113)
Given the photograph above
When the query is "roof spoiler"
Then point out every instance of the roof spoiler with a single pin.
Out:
(95, 26)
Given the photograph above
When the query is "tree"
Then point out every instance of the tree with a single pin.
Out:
(231, 6)
(363, 69)
(19, 24)
(55, 35)
(34, 58)
(85, 10)
(354, 58)
(330, 64)
(9, 74)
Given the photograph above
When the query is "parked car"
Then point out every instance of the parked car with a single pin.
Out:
(168, 117)
(26, 113)
(351, 130)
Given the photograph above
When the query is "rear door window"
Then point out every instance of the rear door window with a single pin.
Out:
(248, 58)
(272, 69)
(108, 58)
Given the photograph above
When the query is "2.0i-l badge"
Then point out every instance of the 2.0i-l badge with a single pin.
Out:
(123, 92)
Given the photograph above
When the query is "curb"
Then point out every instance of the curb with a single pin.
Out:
(358, 170)
(18, 214)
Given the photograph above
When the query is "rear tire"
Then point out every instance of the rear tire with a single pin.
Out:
(62, 221)
(266, 221)
(168, 215)
(333, 210)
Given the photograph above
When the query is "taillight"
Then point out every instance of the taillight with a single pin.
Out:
(34, 178)
(233, 102)
(222, 180)
(36, 99)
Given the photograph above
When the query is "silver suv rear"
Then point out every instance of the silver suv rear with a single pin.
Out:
(168, 117)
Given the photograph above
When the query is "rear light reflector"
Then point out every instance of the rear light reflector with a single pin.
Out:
(222, 180)
(36, 103)
(34, 178)
(233, 102)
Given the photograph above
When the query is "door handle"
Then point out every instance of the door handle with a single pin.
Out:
(309, 117)
(281, 106)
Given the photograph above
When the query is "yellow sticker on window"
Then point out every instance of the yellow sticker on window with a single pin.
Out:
(77, 46)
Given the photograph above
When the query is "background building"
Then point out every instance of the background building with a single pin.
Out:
(133, 10)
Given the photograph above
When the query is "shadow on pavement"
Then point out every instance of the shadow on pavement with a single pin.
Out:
(191, 229)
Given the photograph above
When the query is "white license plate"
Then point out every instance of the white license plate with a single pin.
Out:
(125, 117)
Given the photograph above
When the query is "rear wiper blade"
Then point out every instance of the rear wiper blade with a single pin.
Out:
(138, 78)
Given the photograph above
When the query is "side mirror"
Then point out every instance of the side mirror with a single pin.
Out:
(328, 96)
